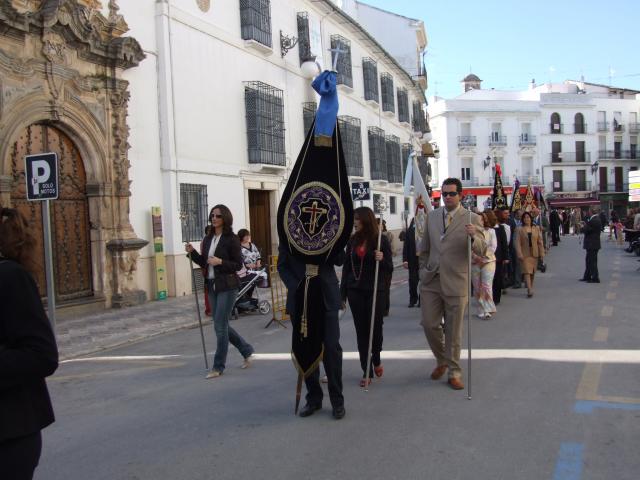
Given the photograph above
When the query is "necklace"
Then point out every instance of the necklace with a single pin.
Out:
(353, 268)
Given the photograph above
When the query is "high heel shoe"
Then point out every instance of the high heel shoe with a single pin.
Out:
(529, 294)
(379, 370)
(365, 383)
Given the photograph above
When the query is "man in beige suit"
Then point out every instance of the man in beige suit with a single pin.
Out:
(444, 278)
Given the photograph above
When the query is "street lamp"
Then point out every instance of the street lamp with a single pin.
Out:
(486, 162)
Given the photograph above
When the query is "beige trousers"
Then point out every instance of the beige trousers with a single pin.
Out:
(446, 344)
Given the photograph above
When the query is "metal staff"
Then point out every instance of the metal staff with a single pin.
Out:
(183, 218)
(469, 316)
(382, 207)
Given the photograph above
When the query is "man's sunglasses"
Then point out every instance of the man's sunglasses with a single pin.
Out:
(449, 194)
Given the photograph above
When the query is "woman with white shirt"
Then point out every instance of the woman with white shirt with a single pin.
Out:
(484, 268)
(223, 259)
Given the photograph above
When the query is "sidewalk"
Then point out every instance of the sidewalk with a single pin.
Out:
(92, 333)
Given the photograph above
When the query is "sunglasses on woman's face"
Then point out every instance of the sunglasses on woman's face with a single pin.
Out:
(215, 215)
(449, 194)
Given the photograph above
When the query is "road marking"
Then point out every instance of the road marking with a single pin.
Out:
(588, 406)
(588, 387)
(613, 284)
(570, 461)
(601, 335)
(142, 366)
(615, 275)
(129, 358)
(603, 356)
(607, 311)
(611, 295)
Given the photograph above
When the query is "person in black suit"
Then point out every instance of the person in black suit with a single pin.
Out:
(28, 353)
(591, 243)
(410, 261)
(357, 286)
(502, 257)
(292, 272)
(221, 259)
(554, 224)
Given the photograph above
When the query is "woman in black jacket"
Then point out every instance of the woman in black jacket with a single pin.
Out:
(28, 353)
(358, 274)
(221, 259)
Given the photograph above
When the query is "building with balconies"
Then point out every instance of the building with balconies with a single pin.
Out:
(576, 140)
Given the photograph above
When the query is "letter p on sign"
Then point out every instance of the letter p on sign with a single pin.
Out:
(41, 172)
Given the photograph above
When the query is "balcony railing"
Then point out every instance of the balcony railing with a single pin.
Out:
(618, 127)
(527, 140)
(472, 182)
(579, 128)
(556, 128)
(603, 126)
(497, 140)
(525, 179)
(618, 154)
(634, 127)
(614, 187)
(570, 157)
(572, 186)
(466, 141)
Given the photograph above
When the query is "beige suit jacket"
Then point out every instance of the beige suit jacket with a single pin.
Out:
(451, 250)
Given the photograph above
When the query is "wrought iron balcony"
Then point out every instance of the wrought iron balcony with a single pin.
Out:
(472, 182)
(569, 157)
(603, 126)
(613, 187)
(634, 127)
(572, 186)
(618, 154)
(466, 141)
(527, 140)
(618, 127)
(580, 128)
(556, 128)
(497, 140)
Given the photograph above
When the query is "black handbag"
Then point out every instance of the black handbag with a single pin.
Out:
(542, 266)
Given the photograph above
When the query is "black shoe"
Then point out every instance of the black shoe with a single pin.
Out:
(411, 305)
(309, 409)
(583, 280)
(597, 280)
(339, 412)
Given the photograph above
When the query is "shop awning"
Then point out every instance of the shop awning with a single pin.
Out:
(573, 202)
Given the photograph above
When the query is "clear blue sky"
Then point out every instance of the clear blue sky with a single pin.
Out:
(509, 42)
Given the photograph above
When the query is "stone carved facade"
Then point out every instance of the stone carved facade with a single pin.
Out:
(61, 62)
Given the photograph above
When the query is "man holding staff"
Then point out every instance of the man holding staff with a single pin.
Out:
(444, 278)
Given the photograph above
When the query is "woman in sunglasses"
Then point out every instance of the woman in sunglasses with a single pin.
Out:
(28, 352)
(221, 259)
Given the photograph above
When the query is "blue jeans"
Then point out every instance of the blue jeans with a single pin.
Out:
(221, 307)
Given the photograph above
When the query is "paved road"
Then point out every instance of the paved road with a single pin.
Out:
(556, 395)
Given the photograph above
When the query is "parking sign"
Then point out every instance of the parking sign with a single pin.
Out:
(41, 174)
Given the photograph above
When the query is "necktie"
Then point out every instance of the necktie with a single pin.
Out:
(449, 218)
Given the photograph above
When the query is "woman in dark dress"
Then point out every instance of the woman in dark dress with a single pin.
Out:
(28, 352)
(222, 259)
(357, 286)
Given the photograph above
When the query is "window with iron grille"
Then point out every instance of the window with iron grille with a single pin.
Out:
(343, 66)
(370, 73)
(255, 20)
(419, 119)
(376, 202)
(377, 153)
(308, 115)
(304, 38)
(403, 106)
(351, 135)
(386, 87)
(193, 204)
(407, 148)
(394, 162)
(265, 124)
(393, 206)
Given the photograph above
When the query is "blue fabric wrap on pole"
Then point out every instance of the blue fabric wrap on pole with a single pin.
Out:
(325, 85)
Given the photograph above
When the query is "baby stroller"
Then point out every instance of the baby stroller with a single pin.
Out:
(248, 298)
